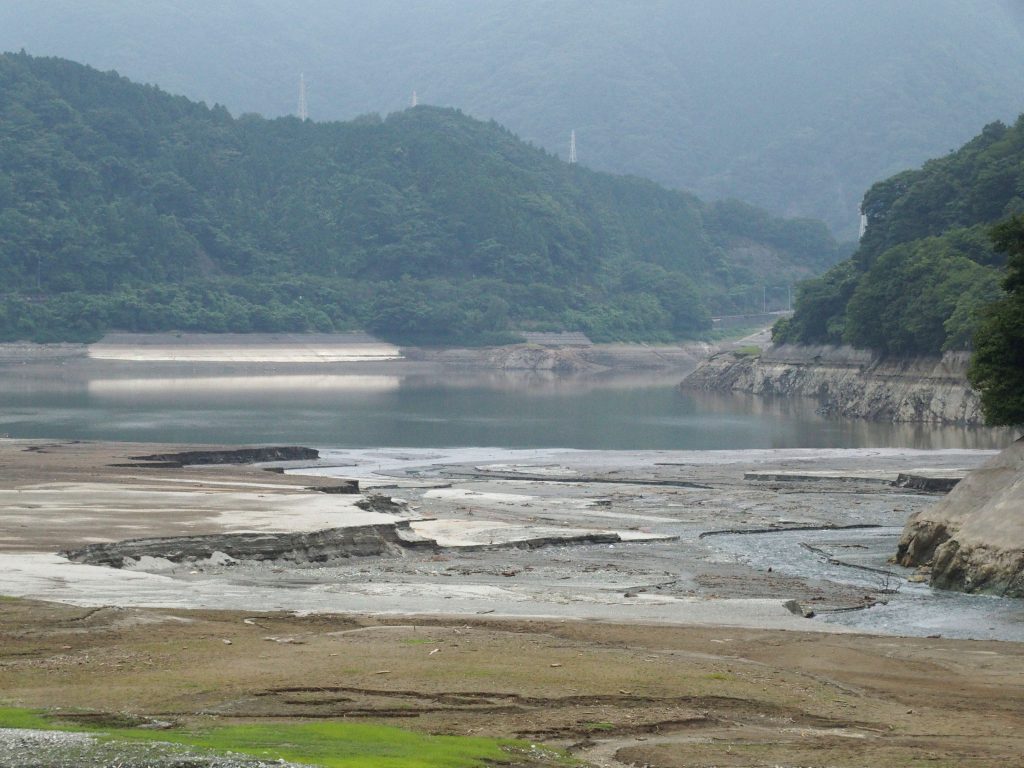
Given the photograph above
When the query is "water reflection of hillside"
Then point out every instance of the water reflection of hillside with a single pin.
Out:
(852, 432)
(215, 388)
(426, 406)
(544, 382)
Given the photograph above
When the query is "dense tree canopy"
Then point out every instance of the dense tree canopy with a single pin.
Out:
(793, 105)
(997, 367)
(124, 207)
(926, 266)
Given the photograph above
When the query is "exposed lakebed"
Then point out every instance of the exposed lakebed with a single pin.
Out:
(676, 537)
(611, 495)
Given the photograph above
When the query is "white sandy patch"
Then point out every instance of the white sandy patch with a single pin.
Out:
(301, 512)
(51, 577)
(230, 353)
(240, 384)
(472, 533)
(542, 470)
(585, 510)
(464, 494)
(562, 462)
(188, 481)
(220, 511)
(644, 536)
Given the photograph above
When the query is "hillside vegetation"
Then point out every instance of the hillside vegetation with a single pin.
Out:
(124, 207)
(997, 366)
(926, 266)
(796, 106)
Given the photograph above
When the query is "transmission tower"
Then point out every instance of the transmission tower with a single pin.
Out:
(415, 100)
(303, 109)
(572, 148)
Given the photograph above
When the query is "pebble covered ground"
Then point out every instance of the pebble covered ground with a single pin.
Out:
(24, 748)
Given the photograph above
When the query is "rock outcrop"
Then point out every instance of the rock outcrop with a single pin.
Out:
(973, 540)
(849, 382)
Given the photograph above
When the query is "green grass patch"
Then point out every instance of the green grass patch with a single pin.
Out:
(719, 676)
(591, 727)
(330, 744)
(345, 745)
(15, 717)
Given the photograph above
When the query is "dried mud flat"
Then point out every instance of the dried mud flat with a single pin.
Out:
(614, 695)
(665, 651)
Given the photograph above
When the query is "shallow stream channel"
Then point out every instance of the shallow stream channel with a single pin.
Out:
(862, 558)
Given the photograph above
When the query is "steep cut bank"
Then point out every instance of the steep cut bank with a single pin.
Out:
(973, 540)
(850, 383)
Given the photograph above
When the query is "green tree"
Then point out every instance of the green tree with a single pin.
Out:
(925, 265)
(997, 368)
(919, 298)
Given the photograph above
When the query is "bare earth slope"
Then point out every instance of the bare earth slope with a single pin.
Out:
(974, 538)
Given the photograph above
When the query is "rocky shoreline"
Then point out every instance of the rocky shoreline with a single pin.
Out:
(850, 383)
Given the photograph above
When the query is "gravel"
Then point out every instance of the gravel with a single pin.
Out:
(24, 748)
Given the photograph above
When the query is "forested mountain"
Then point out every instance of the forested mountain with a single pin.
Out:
(124, 207)
(926, 264)
(793, 105)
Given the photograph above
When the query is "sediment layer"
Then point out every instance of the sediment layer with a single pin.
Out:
(231, 456)
(299, 547)
(850, 383)
(304, 548)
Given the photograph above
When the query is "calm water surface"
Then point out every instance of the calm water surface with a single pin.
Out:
(352, 410)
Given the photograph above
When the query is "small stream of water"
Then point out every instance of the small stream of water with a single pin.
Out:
(914, 609)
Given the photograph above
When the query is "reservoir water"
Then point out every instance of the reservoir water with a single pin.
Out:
(378, 408)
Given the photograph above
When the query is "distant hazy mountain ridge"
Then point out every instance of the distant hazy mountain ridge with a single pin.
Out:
(124, 207)
(794, 105)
